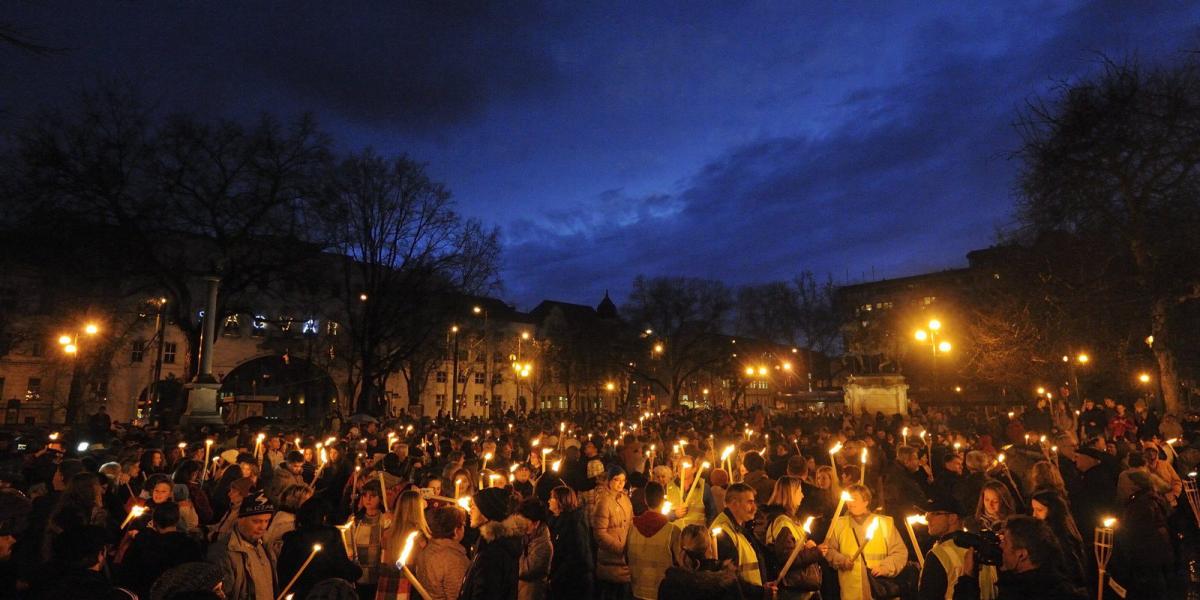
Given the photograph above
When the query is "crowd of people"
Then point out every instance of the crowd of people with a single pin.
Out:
(672, 504)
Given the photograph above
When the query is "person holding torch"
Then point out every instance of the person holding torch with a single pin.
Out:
(737, 542)
(862, 542)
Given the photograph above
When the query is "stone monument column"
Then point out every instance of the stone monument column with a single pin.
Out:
(202, 392)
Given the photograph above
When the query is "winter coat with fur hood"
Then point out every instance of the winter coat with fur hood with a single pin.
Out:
(493, 571)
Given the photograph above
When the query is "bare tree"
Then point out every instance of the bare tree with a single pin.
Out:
(1116, 158)
(685, 318)
(409, 256)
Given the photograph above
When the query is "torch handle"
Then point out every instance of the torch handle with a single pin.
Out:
(412, 579)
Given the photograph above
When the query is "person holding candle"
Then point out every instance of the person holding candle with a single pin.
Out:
(442, 565)
(494, 569)
(408, 516)
(853, 553)
(247, 564)
(651, 545)
(784, 532)
(314, 526)
(1144, 541)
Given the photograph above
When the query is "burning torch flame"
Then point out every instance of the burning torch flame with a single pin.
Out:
(408, 546)
(917, 519)
(808, 525)
(836, 448)
(666, 507)
(871, 528)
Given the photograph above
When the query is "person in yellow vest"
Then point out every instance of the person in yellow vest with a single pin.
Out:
(784, 532)
(736, 542)
(944, 562)
(696, 508)
(884, 554)
(652, 544)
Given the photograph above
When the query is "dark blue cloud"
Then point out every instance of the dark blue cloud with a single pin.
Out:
(741, 142)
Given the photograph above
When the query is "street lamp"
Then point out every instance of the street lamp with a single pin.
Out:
(930, 336)
(70, 346)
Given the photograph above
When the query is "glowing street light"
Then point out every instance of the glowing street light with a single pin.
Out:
(944, 346)
(921, 335)
(1144, 378)
(935, 324)
(1083, 358)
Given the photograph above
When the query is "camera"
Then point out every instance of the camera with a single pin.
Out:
(986, 544)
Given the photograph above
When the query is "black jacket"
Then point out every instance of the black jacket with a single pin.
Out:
(1041, 583)
(331, 561)
(76, 584)
(705, 584)
(572, 564)
(493, 571)
(150, 554)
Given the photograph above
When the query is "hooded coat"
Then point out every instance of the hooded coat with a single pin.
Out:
(572, 564)
(493, 572)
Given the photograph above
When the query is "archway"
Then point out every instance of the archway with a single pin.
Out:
(285, 386)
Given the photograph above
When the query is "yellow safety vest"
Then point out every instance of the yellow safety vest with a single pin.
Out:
(649, 559)
(950, 555)
(784, 522)
(875, 552)
(695, 506)
(747, 558)
(988, 577)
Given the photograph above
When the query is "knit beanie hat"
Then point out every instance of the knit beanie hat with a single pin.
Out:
(256, 503)
(229, 456)
(594, 468)
(187, 577)
(493, 503)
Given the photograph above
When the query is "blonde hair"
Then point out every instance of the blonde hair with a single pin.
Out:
(1043, 476)
(787, 495)
(694, 541)
(408, 516)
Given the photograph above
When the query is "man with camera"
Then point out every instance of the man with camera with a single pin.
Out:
(944, 562)
(1028, 565)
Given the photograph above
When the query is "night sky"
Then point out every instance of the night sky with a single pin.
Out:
(742, 141)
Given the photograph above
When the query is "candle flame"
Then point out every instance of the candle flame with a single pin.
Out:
(904, 432)
(716, 531)
(513, 468)
(666, 507)
(728, 450)
(555, 465)
(261, 437)
(863, 458)
(535, 441)
(208, 442)
(836, 448)
(808, 525)
(1172, 441)
(329, 441)
(54, 436)
(845, 496)
(137, 510)
(316, 547)
(1000, 457)
(705, 465)
(871, 528)
(487, 456)
(917, 519)
(465, 503)
(408, 546)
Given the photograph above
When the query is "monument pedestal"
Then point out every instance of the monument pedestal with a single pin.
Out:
(869, 394)
(202, 405)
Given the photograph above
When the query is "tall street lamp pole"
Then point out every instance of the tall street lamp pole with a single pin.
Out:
(454, 375)
(70, 344)
(942, 347)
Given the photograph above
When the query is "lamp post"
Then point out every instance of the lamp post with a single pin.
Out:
(70, 346)
(1081, 359)
(930, 336)
(482, 312)
(454, 373)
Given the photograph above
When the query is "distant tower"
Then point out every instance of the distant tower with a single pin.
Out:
(606, 309)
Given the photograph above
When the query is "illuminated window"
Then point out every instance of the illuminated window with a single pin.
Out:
(311, 327)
